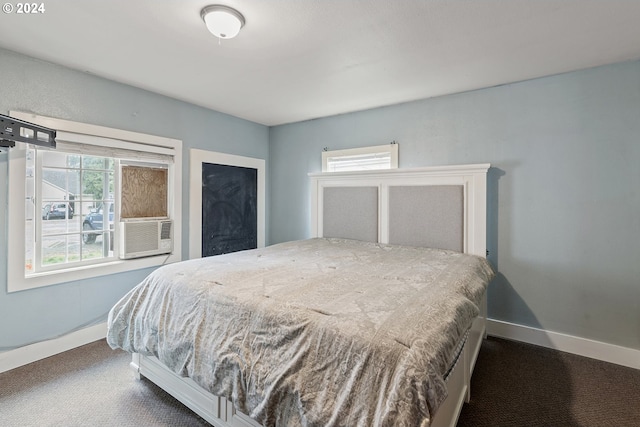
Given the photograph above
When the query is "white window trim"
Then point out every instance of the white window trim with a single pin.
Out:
(74, 131)
(392, 149)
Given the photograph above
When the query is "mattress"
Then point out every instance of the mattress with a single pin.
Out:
(319, 332)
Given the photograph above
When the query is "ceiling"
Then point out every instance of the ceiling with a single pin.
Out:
(302, 59)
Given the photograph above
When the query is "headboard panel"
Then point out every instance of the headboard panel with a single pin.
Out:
(427, 215)
(442, 207)
(359, 222)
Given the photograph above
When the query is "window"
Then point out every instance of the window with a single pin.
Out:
(68, 194)
(65, 204)
(364, 158)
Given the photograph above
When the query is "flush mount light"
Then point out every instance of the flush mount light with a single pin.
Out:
(223, 21)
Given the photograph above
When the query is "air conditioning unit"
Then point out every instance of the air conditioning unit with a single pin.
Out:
(140, 238)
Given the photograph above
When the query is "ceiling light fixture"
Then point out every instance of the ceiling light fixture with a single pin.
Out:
(223, 21)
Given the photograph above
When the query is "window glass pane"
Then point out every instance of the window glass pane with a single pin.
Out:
(96, 246)
(73, 161)
(54, 159)
(56, 211)
(93, 222)
(73, 183)
(97, 186)
(74, 224)
(359, 162)
(73, 247)
(59, 185)
(363, 158)
(54, 250)
(60, 249)
(89, 235)
(86, 209)
(97, 163)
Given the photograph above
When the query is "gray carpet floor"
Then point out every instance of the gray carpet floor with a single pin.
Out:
(517, 384)
(514, 384)
(91, 385)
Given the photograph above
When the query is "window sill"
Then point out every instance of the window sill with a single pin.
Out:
(19, 282)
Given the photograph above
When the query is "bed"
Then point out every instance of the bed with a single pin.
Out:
(374, 321)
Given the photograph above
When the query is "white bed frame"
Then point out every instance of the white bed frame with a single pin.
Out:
(220, 412)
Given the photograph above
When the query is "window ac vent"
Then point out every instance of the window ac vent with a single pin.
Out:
(165, 230)
(145, 238)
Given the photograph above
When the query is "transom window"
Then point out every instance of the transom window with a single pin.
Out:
(362, 158)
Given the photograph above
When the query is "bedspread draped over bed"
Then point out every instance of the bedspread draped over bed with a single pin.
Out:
(319, 332)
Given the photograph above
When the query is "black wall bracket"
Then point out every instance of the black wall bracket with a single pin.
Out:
(14, 130)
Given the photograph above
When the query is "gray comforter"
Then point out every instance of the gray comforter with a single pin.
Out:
(319, 332)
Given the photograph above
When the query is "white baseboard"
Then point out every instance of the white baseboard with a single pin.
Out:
(581, 346)
(40, 350)
(568, 343)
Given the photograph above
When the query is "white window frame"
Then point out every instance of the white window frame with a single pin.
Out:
(82, 133)
(38, 223)
(363, 152)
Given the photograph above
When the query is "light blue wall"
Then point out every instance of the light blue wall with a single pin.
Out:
(50, 90)
(564, 196)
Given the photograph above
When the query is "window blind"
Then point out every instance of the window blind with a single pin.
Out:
(106, 147)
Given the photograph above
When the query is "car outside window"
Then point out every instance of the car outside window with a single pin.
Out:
(57, 211)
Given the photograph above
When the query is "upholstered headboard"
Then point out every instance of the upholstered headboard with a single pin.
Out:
(441, 207)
